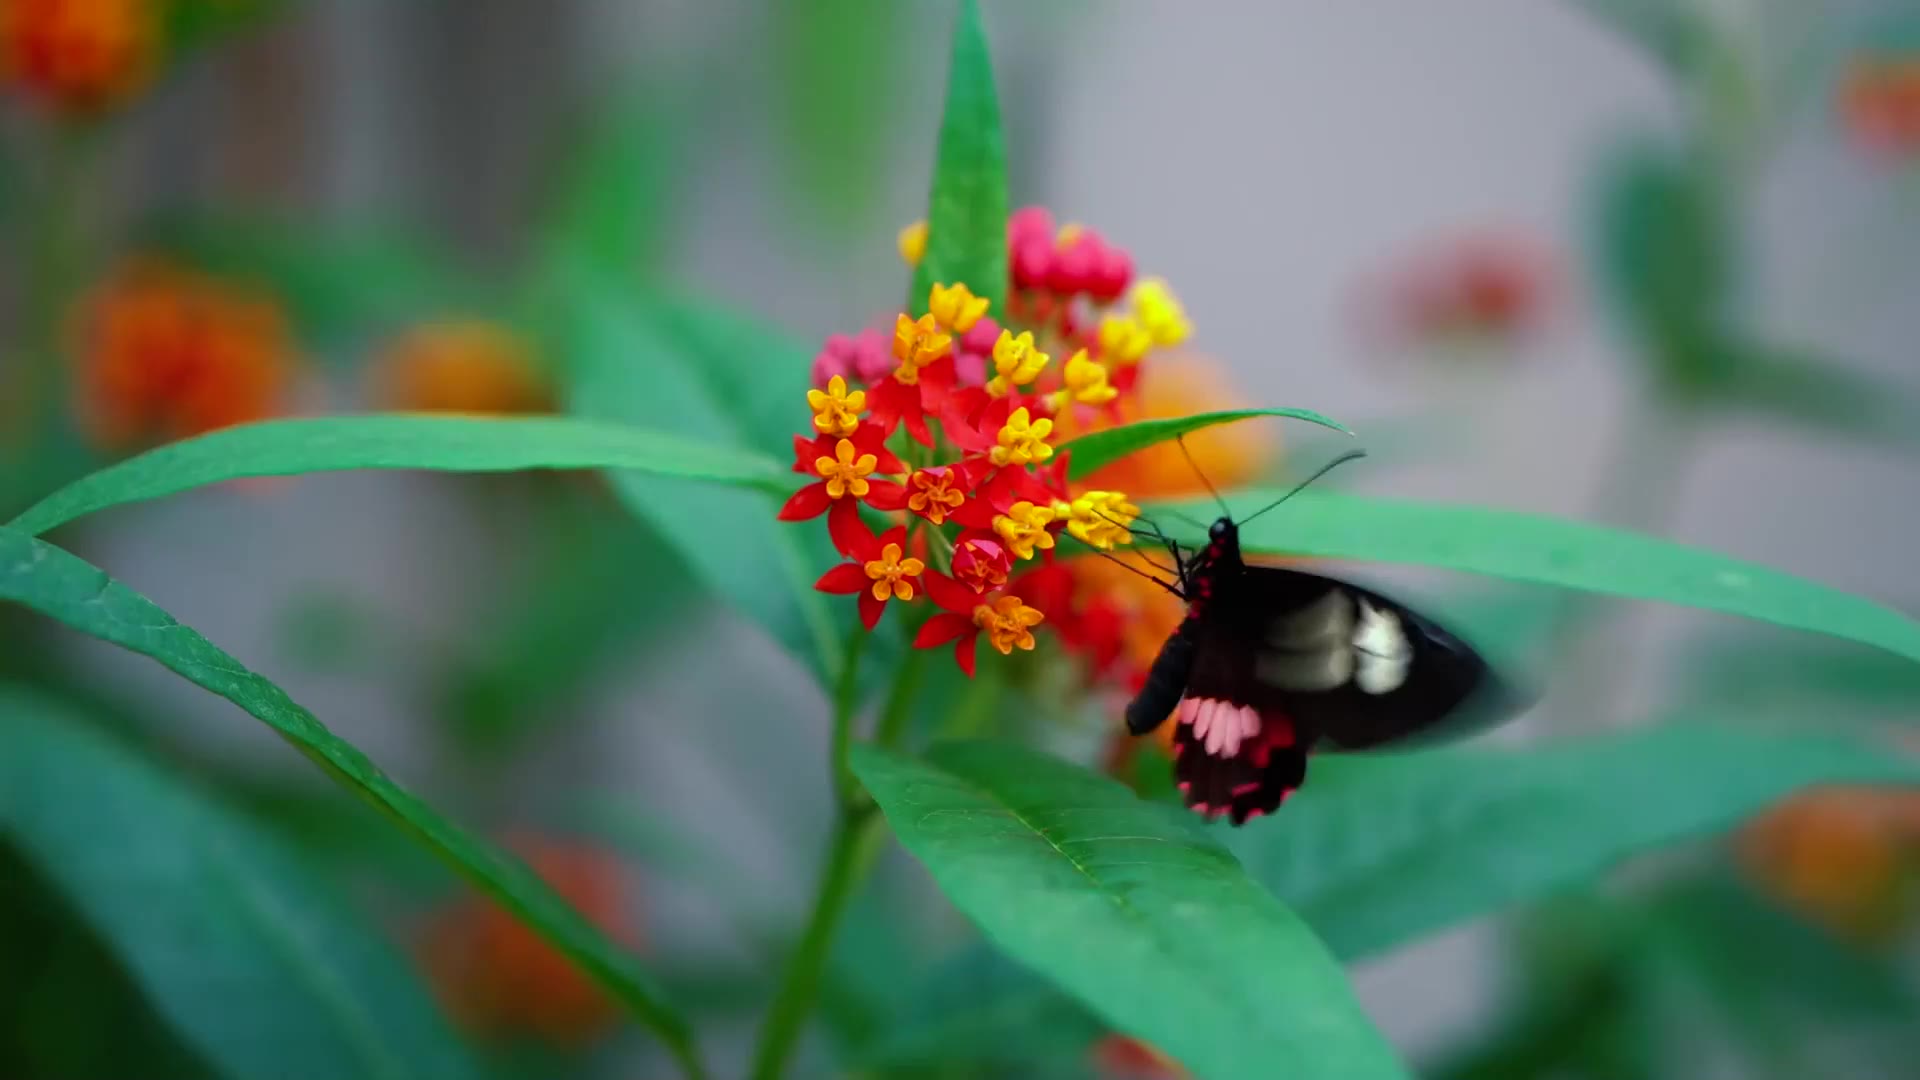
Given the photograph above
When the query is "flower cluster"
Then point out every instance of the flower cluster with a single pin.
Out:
(167, 353)
(945, 430)
(80, 56)
(1879, 103)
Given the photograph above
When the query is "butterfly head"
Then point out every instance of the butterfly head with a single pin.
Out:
(1223, 543)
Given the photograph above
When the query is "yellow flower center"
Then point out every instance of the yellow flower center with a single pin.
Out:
(956, 308)
(835, 411)
(934, 496)
(1101, 519)
(844, 472)
(1022, 440)
(1008, 623)
(1087, 381)
(1015, 362)
(890, 573)
(1024, 527)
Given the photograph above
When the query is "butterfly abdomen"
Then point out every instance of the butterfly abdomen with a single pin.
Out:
(1166, 682)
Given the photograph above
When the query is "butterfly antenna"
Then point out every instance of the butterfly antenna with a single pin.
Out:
(1351, 455)
(1153, 533)
(1132, 569)
(1188, 454)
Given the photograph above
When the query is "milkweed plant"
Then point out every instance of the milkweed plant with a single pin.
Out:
(993, 503)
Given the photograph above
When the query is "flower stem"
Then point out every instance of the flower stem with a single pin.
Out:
(849, 855)
(899, 707)
(846, 699)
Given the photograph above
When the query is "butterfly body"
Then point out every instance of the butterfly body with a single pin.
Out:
(1270, 664)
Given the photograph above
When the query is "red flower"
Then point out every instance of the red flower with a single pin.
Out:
(981, 561)
(1007, 621)
(882, 571)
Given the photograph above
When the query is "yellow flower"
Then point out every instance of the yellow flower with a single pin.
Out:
(1022, 441)
(1123, 340)
(913, 243)
(835, 411)
(1024, 527)
(844, 472)
(1008, 622)
(1087, 381)
(890, 573)
(956, 308)
(1160, 313)
(1101, 519)
(1015, 362)
(934, 495)
(917, 343)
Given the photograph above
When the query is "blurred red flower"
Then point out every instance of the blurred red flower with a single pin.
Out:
(79, 56)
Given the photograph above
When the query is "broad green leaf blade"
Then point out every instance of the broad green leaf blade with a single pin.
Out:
(1770, 673)
(236, 943)
(980, 1008)
(611, 200)
(1130, 907)
(1100, 448)
(710, 376)
(398, 441)
(1376, 851)
(1821, 396)
(1549, 551)
(967, 213)
(72, 591)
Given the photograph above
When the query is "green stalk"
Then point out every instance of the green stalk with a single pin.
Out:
(899, 706)
(846, 699)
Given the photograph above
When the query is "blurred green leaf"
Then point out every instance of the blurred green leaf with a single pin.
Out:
(235, 943)
(839, 65)
(967, 213)
(1666, 260)
(686, 372)
(611, 199)
(337, 279)
(64, 986)
(398, 441)
(980, 1008)
(196, 24)
(1549, 551)
(1671, 32)
(1778, 673)
(1820, 396)
(1099, 448)
(1379, 851)
(72, 591)
(1129, 906)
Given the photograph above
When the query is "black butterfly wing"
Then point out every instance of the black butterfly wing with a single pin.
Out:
(1361, 669)
(1282, 661)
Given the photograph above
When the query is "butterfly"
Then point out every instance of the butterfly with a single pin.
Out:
(1271, 664)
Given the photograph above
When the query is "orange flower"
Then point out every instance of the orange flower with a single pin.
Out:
(463, 366)
(1842, 857)
(163, 353)
(1879, 103)
(1120, 1057)
(500, 978)
(80, 56)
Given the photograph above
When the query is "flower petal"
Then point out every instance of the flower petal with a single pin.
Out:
(807, 503)
(871, 609)
(949, 594)
(942, 628)
(851, 537)
(886, 495)
(844, 580)
(965, 651)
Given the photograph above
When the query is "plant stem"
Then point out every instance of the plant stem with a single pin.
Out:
(849, 856)
(846, 699)
(899, 706)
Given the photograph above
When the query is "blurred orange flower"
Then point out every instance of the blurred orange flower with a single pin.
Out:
(1120, 1057)
(499, 978)
(1842, 857)
(463, 366)
(1486, 288)
(1879, 103)
(163, 353)
(80, 56)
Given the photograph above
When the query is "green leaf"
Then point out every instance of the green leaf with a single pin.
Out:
(839, 64)
(1130, 907)
(610, 200)
(967, 213)
(713, 376)
(1665, 259)
(1550, 551)
(1092, 451)
(337, 279)
(1749, 671)
(1378, 851)
(980, 1008)
(1817, 395)
(238, 945)
(1673, 34)
(72, 591)
(397, 441)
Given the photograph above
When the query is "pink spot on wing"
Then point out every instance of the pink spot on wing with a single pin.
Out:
(1245, 789)
(1198, 808)
(1254, 813)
